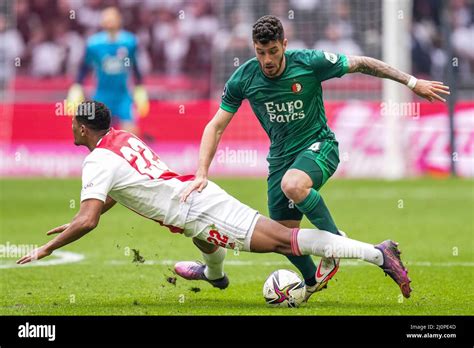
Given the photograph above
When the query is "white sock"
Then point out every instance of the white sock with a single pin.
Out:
(323, 243)
(214, 263)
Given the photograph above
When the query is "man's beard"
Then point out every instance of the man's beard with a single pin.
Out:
(277, 67)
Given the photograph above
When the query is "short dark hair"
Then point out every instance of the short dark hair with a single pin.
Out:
(95, 115)
(267, 28)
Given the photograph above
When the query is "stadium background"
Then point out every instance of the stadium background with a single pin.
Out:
(187, 51)
(189, 48)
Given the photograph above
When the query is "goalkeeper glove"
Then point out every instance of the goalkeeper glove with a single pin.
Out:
(142, 104)
(75, 96)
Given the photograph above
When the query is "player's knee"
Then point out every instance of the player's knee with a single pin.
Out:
(293, 189)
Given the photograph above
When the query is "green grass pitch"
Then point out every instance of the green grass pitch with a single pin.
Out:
(431, 219)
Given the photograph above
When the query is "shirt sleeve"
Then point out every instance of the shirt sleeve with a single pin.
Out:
(232, 96)
(327, 65)
(97, 181)
(85, 65)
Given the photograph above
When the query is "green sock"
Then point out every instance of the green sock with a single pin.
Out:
(315, 209)
(306, 266)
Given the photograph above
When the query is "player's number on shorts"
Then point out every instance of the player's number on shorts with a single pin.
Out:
(217, 239)
(143, 159)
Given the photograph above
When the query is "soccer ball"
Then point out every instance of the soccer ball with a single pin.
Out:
(284, 288)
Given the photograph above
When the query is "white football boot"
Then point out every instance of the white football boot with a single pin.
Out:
(327, 268)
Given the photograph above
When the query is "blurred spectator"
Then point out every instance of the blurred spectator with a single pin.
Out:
(427, 10)
(439, 59)
(171, 40)
(237, 35)
(89, 16)
(201, 25)
(461, 13)
(336, 42)
(462, 37)
(294, 42)
(232, 46)
(304, 5)
(339, 31)
(11, 47)
(71, 43)
(462, 40)
(279, 8)
(26, 20)
(175, 50)
(202, 22)
(144, 34)
(160, 33)
(343, 19)
(423, 33)
(47, 55)
(45, 9)
(428, 52)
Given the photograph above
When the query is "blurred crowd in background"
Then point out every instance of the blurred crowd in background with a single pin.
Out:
(428, 38)
(196, 38)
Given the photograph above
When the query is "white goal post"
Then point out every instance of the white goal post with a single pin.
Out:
(396, 51)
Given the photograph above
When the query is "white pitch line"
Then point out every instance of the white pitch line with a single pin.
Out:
(65, 257)
(62, 257)
(286, 263)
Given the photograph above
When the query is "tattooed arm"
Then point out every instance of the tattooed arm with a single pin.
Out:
(429, 90)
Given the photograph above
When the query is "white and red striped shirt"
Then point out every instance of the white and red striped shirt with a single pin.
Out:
(127, 170)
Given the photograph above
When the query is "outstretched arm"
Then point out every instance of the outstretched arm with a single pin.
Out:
(85, 221)
(209, 142)
(429, 90)
(109, 203)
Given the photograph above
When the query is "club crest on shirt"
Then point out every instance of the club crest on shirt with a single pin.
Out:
(296, 87)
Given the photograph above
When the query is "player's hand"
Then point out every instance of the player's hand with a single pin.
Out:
(431, 90)
(58, 229)
(140, 97)
(75, 96)
(199, 183)
(36, 254)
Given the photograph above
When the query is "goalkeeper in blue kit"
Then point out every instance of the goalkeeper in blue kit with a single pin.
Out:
(112, 54)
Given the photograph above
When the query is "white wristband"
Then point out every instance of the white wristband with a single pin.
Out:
(412, 82)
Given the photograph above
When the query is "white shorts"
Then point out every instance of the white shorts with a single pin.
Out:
(218, 218)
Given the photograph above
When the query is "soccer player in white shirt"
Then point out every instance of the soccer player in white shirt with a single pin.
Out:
(121, 168)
